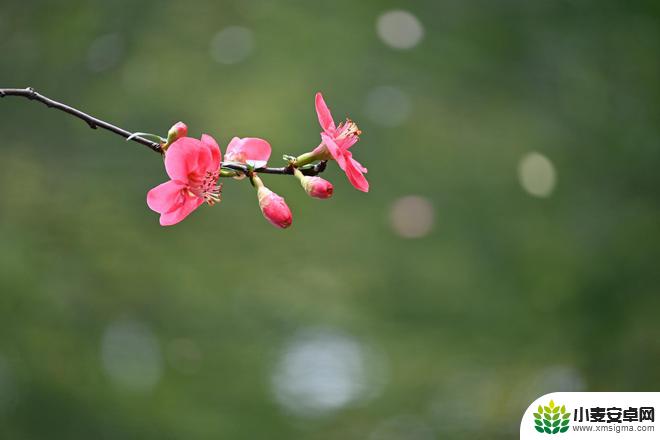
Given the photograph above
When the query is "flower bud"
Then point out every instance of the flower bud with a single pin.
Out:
(314, 186)
(274, 208)
(317, 187)
(177, 131)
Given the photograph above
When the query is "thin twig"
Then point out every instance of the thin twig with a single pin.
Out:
(95, 123)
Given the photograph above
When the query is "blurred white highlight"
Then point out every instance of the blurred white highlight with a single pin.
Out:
(537, 175)
(399, 29)
(130, 355)
(232, 45)
(388, 106)
(321, 371)
(412, 216)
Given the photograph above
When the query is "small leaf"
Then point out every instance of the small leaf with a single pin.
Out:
(556, 430)
(564, 429)
(540, 409)
(547, 430)
(556, 410)
(547, 409)
(555, 423)
(537, 415)
(555, 417)
(563, 409)
(538, 422)
(538, 429)
(563, 423)
(547, 423)
(552, 404)
(547, 416)
(566, 416)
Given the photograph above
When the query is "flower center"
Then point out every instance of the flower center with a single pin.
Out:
(348, 129)
(207, 188)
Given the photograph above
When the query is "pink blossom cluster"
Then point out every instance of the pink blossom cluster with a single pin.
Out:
(195, 167)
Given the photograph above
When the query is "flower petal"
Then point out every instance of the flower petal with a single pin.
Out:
(347, 142)
(232, 153)
(324, 115)
(166, 196)
(355, 176)
(358, 165)
(214, 148)
(189, 204)
(248, 149)
(336, 152)
(205, 160)
(182, 158)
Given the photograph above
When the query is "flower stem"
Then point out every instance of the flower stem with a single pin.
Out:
(307, 158)
(228, 173)
(298, 174)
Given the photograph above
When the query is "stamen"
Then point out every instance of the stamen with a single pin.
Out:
(211, 191)
(208, 188)
(348, 129)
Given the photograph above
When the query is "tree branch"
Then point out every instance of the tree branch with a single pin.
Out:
(95, 123)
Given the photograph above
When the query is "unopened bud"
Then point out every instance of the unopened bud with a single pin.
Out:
(177, 131)
(315, 186)
(274, 208)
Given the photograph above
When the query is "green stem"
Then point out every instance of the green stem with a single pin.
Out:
(298, 174)
(310, 157)
(224, 172)
(256, 181)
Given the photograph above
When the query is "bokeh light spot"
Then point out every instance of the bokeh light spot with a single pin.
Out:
(412, 216)
(321, 371)
(399, 29)
(232, 45)
(388, 106)
(105, 52)
(537, 174)
(131, 355)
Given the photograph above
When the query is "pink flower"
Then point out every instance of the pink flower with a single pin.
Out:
(254, 151)
(337, 140)
(274, 208)
(193, 166)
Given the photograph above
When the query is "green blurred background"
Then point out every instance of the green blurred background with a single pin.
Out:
(509, 246)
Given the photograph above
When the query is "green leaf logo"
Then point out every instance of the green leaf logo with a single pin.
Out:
(552, 418)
